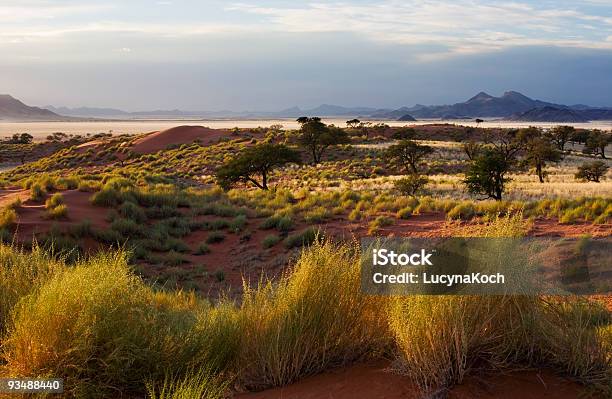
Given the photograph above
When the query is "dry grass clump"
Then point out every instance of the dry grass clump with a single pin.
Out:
(101, 329)
(313, 318)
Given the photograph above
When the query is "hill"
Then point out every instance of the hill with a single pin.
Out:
(480, 105)
(406, 117)
(550, 114)
(13, 109)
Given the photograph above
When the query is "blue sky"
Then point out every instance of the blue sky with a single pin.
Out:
(268, 55)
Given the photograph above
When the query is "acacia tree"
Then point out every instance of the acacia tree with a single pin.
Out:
(407, 154)
(560, 135)
(472, 149)
(316, 137)
(353, 123)
(538, 152)
(487, 174)
(597, 142)
(255, 162)
(592, 171)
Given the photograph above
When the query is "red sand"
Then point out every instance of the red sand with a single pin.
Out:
(157, 141)
(365, 381)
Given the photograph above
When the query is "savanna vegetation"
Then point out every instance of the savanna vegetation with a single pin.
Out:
(112, 290)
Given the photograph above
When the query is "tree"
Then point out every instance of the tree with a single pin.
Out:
(353, 123)
(487, 174)
(592, 171)
(560, 135)
(597, 143)
(539, 151)
(411, 185)
(508, 143)
(408, 154)
(255, 161)
(478, 121)
(316, 137)
(472, 149)
(579, 136)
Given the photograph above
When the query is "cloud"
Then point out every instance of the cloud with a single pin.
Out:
(464, 26)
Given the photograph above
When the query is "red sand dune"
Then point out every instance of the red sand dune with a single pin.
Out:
(365, 381)
(157, 141)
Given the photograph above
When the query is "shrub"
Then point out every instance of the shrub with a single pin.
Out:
(202, 249)
(55, 200)
(59, 212)
(380, 221)
(404, 213)
(463, 211)
(107, 197)
(133, 212)
(128, 228)
(592, 171)
(270, 240)
(238, 223)
(8, 218)
(215, 237)
(37, 192)
(411, 185)
(305, 237)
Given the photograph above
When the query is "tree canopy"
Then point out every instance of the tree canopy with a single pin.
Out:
(407, 154)
(315, 136)
(253, 164)
(487, 174)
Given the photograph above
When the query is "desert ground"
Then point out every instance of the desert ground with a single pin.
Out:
(167, 230)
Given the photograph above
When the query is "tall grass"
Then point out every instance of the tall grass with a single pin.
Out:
(101, 329)
(313, 318)
(108, 334)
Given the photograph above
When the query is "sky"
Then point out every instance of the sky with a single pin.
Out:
(271, 55)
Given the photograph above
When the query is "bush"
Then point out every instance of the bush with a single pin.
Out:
(133, 212)
(37, 192)
(270, 240)
(380, 221)
(55, 200)
(463, 211)
(215, 237)
(305, 237)
(107, 197)
(202, 249)
(411, 185)
(8, 218)
(59, 212)
(128, 228)
(592, 171)
(404, 213)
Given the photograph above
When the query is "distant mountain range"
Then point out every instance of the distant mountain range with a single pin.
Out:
(324, 110)
(13, 109)
(510, 106)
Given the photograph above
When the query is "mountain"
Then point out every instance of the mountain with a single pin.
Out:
(406, 117)
(550, 114)
(13, 109)
(481, 105)
(323, 110)
(87, 112)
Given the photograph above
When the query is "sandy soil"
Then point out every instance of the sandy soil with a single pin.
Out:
(160, 140)
(375, 380)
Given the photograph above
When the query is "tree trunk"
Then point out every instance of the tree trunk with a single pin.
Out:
(540, 174)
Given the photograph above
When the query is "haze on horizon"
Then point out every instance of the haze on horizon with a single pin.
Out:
(271, 55)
